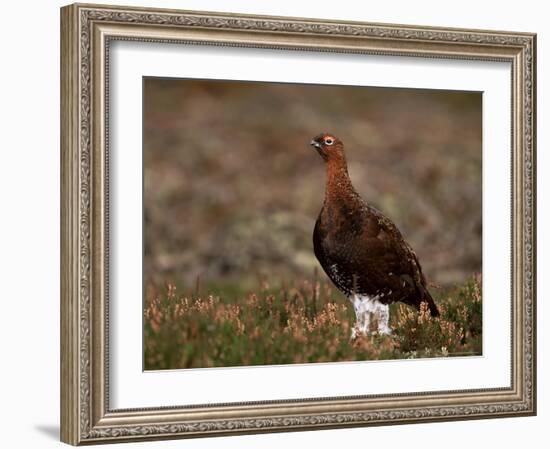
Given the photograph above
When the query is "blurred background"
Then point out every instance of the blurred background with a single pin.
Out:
(232, 187)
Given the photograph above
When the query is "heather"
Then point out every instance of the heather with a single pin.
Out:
(304, 322)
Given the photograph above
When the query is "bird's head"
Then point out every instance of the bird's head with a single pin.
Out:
(329, 147)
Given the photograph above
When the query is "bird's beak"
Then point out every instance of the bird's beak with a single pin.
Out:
(315, 144)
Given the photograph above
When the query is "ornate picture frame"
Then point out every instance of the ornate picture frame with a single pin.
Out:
(87, 32)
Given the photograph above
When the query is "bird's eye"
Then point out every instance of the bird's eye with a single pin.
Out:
(329, 141)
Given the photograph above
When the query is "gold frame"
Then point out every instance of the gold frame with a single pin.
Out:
(86, 31)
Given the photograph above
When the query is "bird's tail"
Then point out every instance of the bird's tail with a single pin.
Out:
(427, 298)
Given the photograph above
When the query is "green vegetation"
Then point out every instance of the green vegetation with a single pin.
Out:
(304, 322)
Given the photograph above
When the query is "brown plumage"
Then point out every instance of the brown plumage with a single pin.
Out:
(361, 250)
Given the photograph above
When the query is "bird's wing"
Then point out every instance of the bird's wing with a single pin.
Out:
(384, 229)
(383, 261)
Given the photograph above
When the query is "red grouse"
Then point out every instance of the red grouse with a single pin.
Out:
(361, 250)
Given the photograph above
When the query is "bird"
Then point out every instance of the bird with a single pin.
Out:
(361, 250)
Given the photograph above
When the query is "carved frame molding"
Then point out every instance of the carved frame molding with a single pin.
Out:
(87, 31)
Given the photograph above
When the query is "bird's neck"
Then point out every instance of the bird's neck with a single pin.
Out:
(338, 181)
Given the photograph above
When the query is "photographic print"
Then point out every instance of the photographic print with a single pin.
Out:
(299, 223)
